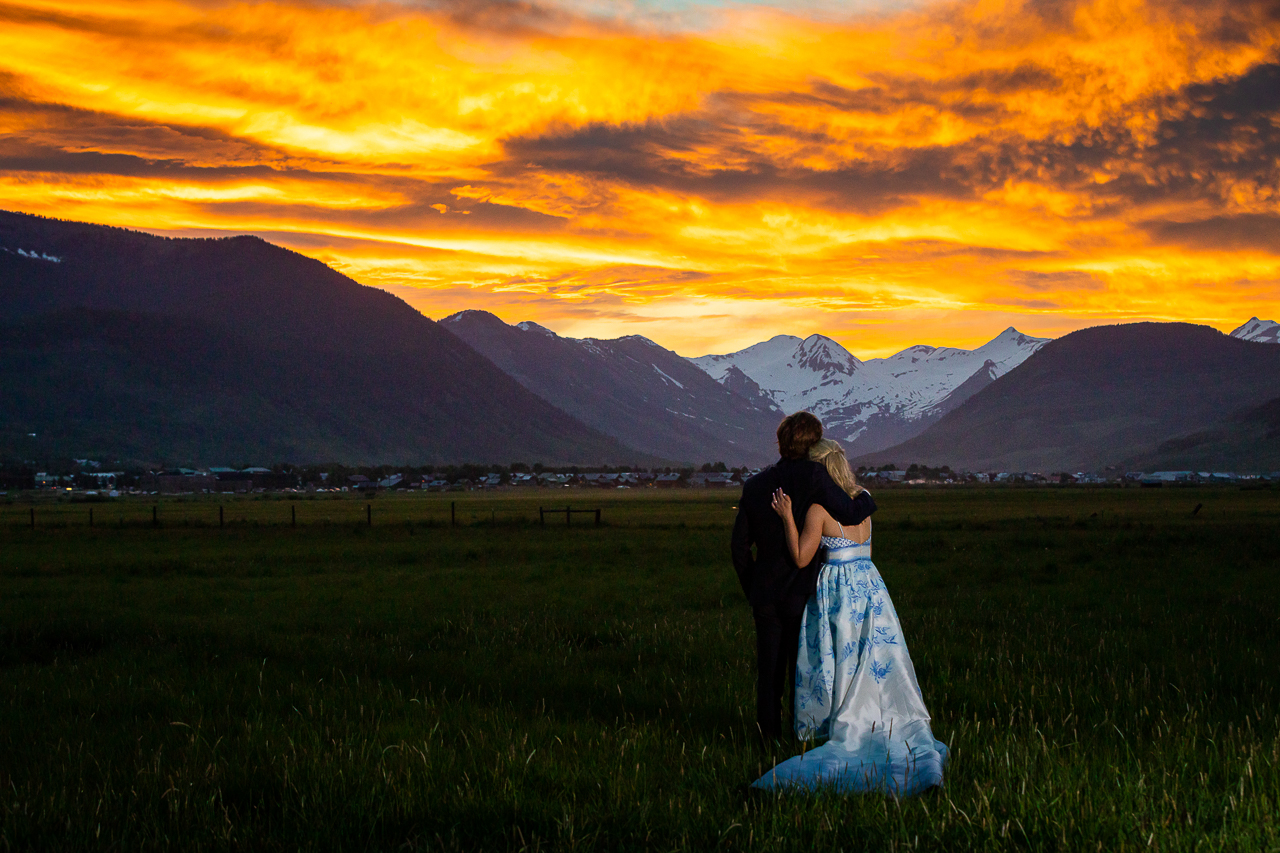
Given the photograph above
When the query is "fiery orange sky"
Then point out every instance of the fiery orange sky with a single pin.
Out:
(704, 175)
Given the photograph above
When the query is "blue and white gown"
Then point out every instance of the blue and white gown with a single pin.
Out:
(855, 686)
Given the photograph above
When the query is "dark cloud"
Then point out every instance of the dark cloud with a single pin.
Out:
(58, 127)
(632, 275)
(1028, 304)
(1210, 139)
(1056, 282)
(892, 94)
(1238, 23)
(650, 155)
(1254, 231)
(15, 15)
(478, 216)
(506, 18)
(21, 155)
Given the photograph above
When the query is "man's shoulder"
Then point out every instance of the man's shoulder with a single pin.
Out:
(798, 469)
(765, 481)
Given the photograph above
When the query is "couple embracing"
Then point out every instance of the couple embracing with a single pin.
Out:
(825, 622)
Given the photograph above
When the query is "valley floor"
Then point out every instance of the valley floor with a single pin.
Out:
(398, 673)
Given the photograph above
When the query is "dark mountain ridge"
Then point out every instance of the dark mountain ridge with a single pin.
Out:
(1100, 396)
(203, 351)
(647, 396)
(1249, 440)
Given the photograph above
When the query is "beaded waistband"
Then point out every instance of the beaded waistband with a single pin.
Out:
(849, 552)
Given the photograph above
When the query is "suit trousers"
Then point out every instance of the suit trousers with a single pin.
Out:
(777, 644)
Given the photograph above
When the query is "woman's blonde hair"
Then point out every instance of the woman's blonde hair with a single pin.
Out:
(831, 455)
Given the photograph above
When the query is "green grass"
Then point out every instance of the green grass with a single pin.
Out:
(1102, 664)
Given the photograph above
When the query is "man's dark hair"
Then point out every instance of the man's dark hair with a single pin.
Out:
(797, 433)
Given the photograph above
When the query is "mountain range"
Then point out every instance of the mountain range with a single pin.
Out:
(124, 345)
(647, 397)
(877, 403)
(1112, 395)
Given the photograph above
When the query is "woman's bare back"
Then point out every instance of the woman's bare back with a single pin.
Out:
(818, 515)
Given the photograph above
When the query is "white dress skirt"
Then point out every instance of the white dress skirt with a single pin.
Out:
(855, 686)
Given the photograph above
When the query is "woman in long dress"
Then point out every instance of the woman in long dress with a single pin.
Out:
(855, 684)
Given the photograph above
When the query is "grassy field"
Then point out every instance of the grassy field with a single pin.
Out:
(1102, 664)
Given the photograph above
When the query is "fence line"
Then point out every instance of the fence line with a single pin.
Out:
(200, 515)
(568, 514)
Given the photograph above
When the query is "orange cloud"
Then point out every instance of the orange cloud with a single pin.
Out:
(930, 175)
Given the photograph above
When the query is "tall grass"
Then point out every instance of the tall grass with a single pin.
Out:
(1102, 664)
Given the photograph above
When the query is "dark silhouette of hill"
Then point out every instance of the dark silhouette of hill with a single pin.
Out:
(117, 343)
(1247, 441)
(1098, 397)
(631, 388)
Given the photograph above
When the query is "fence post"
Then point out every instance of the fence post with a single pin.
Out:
(542, 518)
(91, 516)
(293, 515)
(453, 514)
(597, 518)
(155, 516)
(368, 511)
(568, 516)
(219, 515)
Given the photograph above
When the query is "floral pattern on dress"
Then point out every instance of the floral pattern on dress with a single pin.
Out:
(849, 615)
(856, 687)
(880, 671)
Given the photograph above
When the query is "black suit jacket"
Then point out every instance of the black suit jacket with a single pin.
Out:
(769, 577)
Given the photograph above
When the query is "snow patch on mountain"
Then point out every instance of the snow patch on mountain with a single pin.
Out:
(1259, 331)
(33, 255)
(667, 378)
(530, 326)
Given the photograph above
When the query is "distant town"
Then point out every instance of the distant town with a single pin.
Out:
(89, 479)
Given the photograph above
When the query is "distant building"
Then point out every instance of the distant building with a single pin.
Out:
(1162, 478)
(179, 481)
(712, 481)
(230, 480)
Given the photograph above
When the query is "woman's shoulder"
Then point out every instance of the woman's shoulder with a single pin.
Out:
(817, 510)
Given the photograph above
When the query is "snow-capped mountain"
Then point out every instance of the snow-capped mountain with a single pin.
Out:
(1260, 331)
(875, 403)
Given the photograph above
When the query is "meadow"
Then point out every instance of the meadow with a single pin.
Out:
(1101, 662)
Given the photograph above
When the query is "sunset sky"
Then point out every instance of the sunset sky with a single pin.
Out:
(706, 174)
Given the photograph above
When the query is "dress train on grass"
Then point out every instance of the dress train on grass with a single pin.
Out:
(856, 686)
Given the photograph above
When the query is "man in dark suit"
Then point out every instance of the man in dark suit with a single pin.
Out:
(778, 589)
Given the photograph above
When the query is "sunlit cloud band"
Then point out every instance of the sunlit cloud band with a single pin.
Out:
(705, 176)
